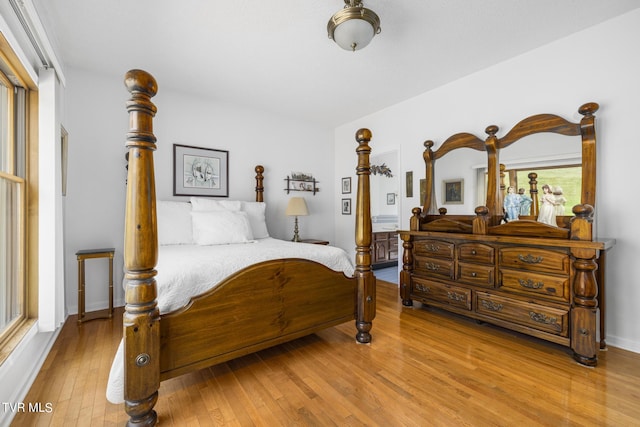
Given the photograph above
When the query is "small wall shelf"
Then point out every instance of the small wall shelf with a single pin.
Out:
(308, 185)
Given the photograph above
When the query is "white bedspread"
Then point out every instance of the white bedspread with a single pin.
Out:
(185, 271)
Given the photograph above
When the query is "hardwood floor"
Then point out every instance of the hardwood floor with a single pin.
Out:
(424, 367)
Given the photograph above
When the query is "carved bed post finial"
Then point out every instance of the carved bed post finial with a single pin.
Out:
(533, 190)
(141, 316)
(259, 183)
(366, 300)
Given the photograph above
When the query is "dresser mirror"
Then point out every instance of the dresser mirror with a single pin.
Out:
(542, 150)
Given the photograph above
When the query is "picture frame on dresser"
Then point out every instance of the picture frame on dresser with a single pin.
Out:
(200, 171)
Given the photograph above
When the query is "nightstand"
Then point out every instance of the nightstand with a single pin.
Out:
(91, 254)
(314, 241)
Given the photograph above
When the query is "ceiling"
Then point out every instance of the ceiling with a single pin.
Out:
(276, 56)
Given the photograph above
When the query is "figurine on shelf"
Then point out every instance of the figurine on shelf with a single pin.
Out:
(560, 200)
(548, 207)
(511, 204)
(525, 202)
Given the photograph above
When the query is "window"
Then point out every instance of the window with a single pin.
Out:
(13, 301)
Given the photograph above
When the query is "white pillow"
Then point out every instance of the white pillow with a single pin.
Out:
(174, 223)
(221, 227)
(200, 204)
(256, 212)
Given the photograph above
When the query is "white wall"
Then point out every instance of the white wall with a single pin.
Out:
(97, 124)
(598, 64)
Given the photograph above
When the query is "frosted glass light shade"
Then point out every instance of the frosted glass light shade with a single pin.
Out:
(353, 27)
(353, 34)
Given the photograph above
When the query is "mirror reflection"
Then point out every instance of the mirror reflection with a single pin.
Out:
(555, 161)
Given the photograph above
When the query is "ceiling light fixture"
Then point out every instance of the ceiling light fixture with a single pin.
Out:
(353, 27)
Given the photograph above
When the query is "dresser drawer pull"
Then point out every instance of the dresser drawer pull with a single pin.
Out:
(473, 252)
(490, 305)
(544, 319)
(530, 284)
(423, 288)
(432, 248)
(456, 297)
(431, 266)
(474, 274)
(530, 259)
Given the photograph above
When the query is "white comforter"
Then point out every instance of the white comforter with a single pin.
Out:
(185, 271)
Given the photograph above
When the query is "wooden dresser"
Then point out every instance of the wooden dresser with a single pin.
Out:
(385, 249)
(544, 280)
(534, 286)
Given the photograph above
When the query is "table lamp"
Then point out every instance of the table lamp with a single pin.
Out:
(296, 207)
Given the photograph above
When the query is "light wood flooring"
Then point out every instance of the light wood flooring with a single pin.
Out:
(424, 368)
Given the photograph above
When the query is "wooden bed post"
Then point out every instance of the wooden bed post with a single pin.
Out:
(141, 326)
(259, 186)
(366, 299)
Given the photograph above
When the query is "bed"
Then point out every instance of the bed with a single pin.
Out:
(263, 304)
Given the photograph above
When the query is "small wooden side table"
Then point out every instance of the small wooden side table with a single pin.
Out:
(314, 241)
(90, 254)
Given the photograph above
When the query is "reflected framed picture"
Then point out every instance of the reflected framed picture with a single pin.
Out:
(200, 171)
(453, 191)
(409, 184)
(391, 198)
(346, 206)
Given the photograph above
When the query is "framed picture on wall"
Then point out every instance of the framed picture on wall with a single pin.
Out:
(453, 191)
(346, 185)
(346, 206)
(391, 198)
(200, 171)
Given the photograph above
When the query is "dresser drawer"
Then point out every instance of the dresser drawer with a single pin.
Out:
(476, 252)
(435, 248)
(475, 274)
(441, 293)
(547, 319)
(442, 268)
(529, 283)
(381, 236)
(535, 259)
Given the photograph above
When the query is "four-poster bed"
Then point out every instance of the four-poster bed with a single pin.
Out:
(257, 307)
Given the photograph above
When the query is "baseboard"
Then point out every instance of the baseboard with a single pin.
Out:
(19, 371)
(623, 343)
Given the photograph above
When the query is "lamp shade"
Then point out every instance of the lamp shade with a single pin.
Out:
(297, 207)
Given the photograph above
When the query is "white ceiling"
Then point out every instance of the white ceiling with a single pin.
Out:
(276, 56)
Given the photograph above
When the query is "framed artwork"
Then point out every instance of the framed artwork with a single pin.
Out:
(64, 147)
(346, 185)
(409, 184)
(200, 171)
(346, 206)
(391, 198)
(453, 191)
